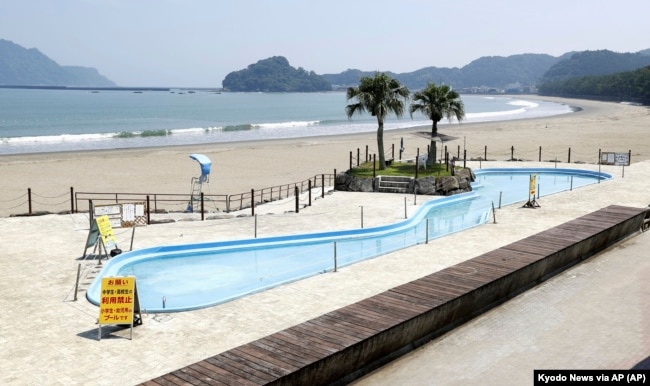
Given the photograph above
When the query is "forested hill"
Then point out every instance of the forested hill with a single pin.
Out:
(275, 75)
(594, 63)
(489, 71)
(29, 67)
(629, 86)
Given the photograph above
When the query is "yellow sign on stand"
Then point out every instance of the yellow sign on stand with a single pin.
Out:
(533, 184)
(117, 300)
(532, 203)
(119, 303)
(106, 232)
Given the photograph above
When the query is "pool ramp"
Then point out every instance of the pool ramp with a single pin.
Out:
(345, 344)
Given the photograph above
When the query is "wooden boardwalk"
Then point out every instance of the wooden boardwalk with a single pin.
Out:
(347, 343)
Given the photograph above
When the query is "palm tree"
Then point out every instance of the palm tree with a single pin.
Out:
(380, 96)
(437, 102)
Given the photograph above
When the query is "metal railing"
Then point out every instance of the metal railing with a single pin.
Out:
(172, 202)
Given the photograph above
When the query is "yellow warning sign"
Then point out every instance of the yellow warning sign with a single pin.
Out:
(117, 300)
(106, 231)
(533, 184)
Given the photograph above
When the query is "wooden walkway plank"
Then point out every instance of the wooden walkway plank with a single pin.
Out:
(221, 375)
(292, 338)
(241, 371)
(263, 361)
(358, 318)
(243, 361)
(268, 359)
(190, 374)
(385, 298)
(186, 378)
(426, 302)
(298, 346)
(342, 326)
(289, 357)
(317, 337)
(348, 336)
(424, 294)
(385, 308)
(168, 380)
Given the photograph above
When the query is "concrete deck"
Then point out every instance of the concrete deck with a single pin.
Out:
(596, 315)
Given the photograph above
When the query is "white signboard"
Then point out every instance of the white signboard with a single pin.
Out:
(618, 159)
(123, 215)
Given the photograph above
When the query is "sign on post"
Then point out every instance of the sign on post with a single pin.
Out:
(106, 232)
(119, 302)
(532, 190)
(123, 215)
(617, 159)
(533, 184)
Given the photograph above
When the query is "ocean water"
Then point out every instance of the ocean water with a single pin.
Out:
(35, 121)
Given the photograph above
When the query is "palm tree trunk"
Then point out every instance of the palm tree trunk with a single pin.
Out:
(380, 144)
(433, 152)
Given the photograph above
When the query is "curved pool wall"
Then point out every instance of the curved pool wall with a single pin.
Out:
(191, 276)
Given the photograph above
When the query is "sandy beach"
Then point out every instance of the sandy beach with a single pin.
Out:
(46, 337)
(241, 166)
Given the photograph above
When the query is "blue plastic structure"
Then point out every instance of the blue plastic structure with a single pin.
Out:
(197, 182)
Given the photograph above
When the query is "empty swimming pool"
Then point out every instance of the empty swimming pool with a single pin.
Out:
(191, 276)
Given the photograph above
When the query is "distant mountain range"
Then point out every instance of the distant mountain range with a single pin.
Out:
(491, 74)
(516, 73)
(511, 73)
(29, 67)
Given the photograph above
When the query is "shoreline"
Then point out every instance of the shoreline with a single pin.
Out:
(245, 142)
(103, 144)
(238, 167)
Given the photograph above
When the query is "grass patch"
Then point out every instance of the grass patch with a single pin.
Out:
(400, 169)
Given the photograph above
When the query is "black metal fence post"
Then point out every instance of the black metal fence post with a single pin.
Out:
(374, 165)
(252, 202)
(202, 208)
(148, 210)
(29, 200)
(296, 191)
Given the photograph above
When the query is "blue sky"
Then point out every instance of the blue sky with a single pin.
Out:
(196, 43)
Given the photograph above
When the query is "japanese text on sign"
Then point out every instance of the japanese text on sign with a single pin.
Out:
(106, 232)
(117, 300)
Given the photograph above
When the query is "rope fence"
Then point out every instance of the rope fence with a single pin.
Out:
(447, 153)
(33, 203)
